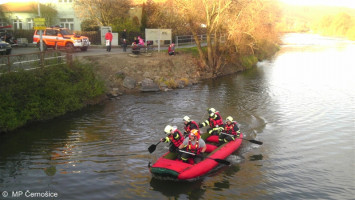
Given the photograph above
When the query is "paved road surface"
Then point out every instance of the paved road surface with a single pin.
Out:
(92, 50)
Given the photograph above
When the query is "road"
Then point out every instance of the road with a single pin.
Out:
(91, 51)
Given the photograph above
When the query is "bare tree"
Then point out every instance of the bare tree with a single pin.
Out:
(208, 13)
(252, 25)
(104, 12)
(246, 23)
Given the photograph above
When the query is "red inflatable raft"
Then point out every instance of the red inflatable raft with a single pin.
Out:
(169, 166)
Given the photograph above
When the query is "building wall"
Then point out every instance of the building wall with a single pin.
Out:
(26, 20)
(65, 17)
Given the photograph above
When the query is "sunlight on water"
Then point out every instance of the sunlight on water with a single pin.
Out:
(312, 84)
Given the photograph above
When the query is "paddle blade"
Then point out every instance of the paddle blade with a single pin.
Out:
(256, 142)
(152, 148)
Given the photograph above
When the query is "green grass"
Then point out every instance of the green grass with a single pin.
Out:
(249, 61)
(192, 50)
(42, 94)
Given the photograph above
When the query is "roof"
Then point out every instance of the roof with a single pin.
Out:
(19, 7)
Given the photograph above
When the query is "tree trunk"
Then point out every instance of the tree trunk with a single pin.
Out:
(200, 51)
(210, 51)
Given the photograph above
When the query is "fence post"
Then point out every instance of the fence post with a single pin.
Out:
(69, 59)
(8, 62)
(41, 58)
(177, 41)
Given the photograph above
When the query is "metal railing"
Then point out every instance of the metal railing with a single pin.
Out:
(189, 39)
(30, 61)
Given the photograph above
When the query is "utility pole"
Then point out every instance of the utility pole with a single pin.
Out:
(40, 31)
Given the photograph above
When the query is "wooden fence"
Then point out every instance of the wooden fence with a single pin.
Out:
(13, 63)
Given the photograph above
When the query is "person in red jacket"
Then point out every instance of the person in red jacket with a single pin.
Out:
(215, 122)
(171, 49)
(174, 136)
(189, 125)
(230, 131)
(194, 147)
(108, 38)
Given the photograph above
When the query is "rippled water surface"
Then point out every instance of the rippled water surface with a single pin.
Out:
(300, 104)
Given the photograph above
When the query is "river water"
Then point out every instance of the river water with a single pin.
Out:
(300, 104)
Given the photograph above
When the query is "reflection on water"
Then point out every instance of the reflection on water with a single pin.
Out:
(300, 104)
(174, 189)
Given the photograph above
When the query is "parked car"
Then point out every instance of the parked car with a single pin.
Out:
(5, 48)
(58, 37)
(7, 36)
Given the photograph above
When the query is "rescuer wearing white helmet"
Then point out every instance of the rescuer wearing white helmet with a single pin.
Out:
(230, 131)
(214, 120)
(174, 136)
(189, 125)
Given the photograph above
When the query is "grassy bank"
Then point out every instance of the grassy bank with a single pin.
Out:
(42, 94)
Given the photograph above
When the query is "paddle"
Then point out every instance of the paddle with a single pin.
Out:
(152, 147)
(252, 141)
(215, 159)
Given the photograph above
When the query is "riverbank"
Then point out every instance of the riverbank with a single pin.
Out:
(43, 94)
(124, 73)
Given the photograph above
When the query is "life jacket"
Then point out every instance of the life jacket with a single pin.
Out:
(193, 148)
(215, 122)
(179, 141)
(188, 127)
(230, 128)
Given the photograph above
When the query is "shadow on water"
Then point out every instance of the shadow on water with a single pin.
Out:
(197, 188)
(47, 141)
(169, 188)
(255, 157)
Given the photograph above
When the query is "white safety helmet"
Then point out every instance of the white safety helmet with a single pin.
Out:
(229, 118)
(211, 111)
(187, 118)
(168, 129)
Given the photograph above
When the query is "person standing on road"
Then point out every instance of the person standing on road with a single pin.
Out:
(124, 40)
(124, 34)
(124, 45)
(108, 38)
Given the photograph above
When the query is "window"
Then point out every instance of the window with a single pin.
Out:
(30, 23)
(67, 23)
(3, 22)
(17, 24)
(51, 32)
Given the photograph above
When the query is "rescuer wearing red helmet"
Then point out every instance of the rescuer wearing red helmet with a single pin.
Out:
(194, 146)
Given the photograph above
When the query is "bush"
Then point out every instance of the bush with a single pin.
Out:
(42, 94)
(94, 36)
(266, 49)
(24, 34)
(248, 61)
